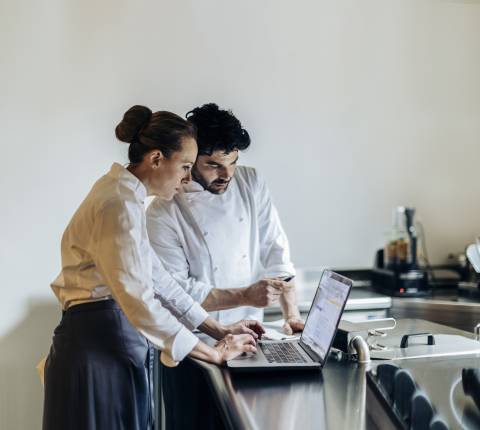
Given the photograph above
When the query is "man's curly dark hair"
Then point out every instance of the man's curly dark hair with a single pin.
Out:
(217, 129)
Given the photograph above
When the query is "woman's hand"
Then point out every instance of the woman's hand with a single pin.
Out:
(251, 327)
(232, 346)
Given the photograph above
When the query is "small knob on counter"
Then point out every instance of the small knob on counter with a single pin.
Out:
(386, 378)
(422, 411)
(403, 394)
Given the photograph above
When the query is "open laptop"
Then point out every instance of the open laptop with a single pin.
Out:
(311, 350)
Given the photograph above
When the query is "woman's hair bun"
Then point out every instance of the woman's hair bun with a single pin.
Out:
(132, 123)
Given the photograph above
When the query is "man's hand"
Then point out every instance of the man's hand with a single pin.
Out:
(293, 325)
(265, 292)
(251, 327)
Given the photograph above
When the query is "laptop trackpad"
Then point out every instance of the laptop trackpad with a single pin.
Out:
(251, 357)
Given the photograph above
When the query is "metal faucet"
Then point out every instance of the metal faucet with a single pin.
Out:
(358, 346)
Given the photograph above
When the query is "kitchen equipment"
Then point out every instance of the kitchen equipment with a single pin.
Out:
(473, 255)
(396, 271)
(357, 339)
(372, 340)
(438, 377)
(470, 286)
(397, 402)
(450, 386)
(425, 345)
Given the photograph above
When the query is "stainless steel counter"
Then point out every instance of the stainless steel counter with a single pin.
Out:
(444, 307)
(362, 304)
(334, 398)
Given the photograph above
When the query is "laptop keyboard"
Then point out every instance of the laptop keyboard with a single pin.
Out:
(281, 353)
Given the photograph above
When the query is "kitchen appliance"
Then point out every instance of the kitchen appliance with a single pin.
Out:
(470, 286)
(397, 402)
(428, 393)
(357, 339)
(396, 271)
(416, 378)
(390, 339)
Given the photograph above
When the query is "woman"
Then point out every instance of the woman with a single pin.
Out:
(96, 374)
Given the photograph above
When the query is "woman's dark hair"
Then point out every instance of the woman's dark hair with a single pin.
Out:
(217, 129)
(145, 131)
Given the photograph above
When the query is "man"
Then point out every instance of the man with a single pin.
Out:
(222, 239)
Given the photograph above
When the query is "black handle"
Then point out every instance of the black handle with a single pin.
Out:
(404, 341)
(471, 384)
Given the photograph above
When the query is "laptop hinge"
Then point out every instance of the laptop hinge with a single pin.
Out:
(312, 355)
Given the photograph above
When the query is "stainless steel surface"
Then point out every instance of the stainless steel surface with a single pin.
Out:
(235, 415)
(374, 326)
(334, 398)
(445, 345)
(440, 379)
(445, 308)
(377, 413)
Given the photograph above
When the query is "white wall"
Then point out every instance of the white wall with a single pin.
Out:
(354, 107)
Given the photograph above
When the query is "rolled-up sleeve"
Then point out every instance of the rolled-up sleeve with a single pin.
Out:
(122, 253)
(178, 347)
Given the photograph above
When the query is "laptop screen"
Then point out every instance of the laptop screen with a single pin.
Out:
(325, 313)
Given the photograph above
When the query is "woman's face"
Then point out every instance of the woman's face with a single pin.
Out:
(167, 177)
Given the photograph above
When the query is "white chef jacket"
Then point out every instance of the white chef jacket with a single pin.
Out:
(106, 253)
(227, 240)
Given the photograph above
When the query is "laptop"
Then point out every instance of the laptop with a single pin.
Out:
(311, 350)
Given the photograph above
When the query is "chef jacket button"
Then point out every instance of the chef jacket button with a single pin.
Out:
(244, 256)
(205, 233)
(241, 219)
(215, 268)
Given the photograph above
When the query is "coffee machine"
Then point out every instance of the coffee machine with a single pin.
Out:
(396, 271)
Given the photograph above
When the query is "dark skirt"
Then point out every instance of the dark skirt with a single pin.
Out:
(97, 374)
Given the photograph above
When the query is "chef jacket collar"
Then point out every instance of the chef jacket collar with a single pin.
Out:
(129, 179)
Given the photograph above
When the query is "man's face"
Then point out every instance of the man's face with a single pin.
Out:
(215, 171)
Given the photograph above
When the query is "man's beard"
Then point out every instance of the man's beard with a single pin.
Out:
(210, 186)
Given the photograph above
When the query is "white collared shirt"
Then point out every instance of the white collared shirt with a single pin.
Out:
(106, 253)
(228, 240)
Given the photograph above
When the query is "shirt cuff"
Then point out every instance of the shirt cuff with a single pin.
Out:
(195, 316)
(202, 290)
(279, 270)
(177, 347)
